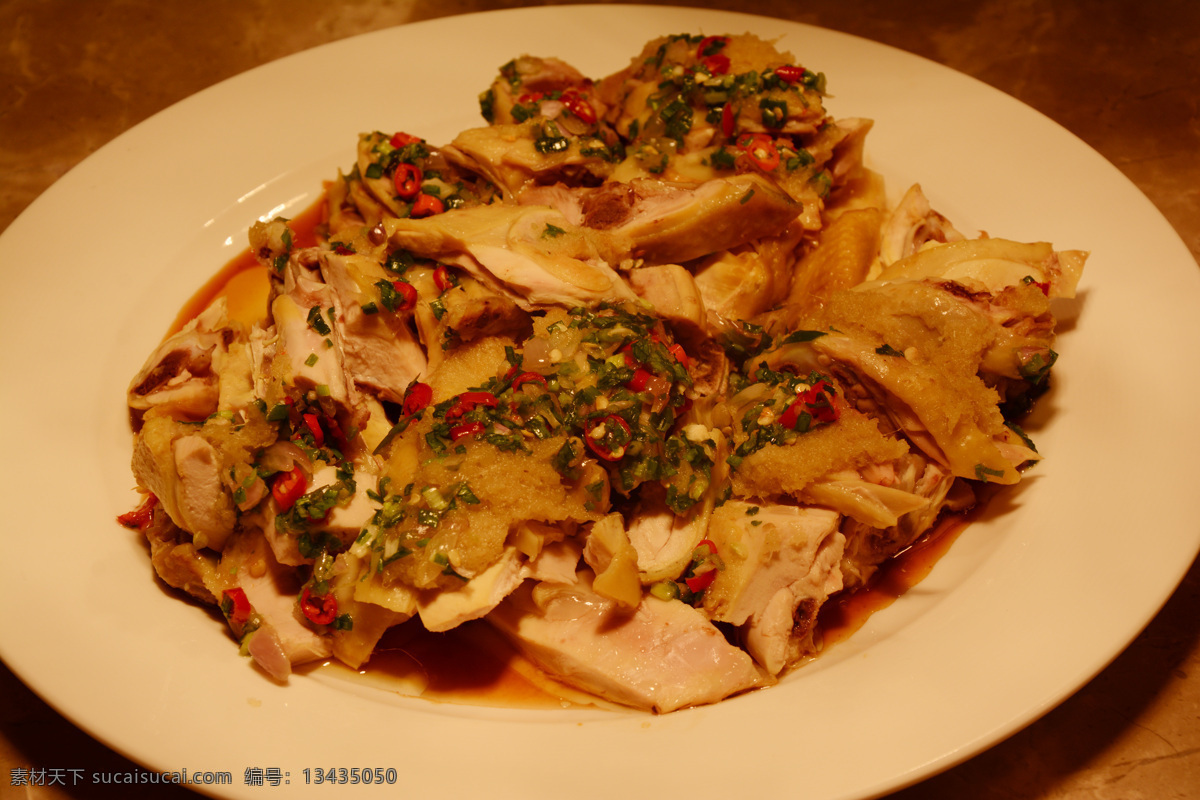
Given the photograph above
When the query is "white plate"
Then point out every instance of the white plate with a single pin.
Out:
(1025, 608)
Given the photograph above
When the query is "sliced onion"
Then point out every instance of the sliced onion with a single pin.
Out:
(283, 455)
(267, 651)
(536, 355)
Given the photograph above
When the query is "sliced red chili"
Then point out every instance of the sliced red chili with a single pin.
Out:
(313, 423)
(609, 437)
(761, 150)
(578, 105)
(819, 401)
(680, 354)
(698, 583)
(408, 295)
(141, 516)
(728, 120)
(408, 179)
(319, 609)
(704, 554)
(711, 45)
(401, 139)
(790, 416)
(639, 380)
(826, 410)
(236, 606)
(288, 487)
(717, 64)
(789, 73)
(528, 377)
(466, 429)
(478, 399)
(426, 205)
(442, 278)
(417, 397)
(467, 401)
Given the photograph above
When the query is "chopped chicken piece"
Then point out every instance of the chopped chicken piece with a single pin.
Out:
(992, 265)
(778, 560)
(272, 589)
(673, 224)
(379, 350)
(613, 559)
(343, 521)
(353, 645)
(446, 609)
(672, 292)
(662, 656)
(661, 222)
(530, 254)
(183, 471)
(178, 563)
(663, 539)
(912, 224)
(200, 494)
(180, 375)
(765, 548)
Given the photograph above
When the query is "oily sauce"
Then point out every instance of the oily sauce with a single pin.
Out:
(468, 665)
(473, 664)
(243, 282)
(842, 615)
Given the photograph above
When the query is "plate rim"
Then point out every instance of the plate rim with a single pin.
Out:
(35, 210)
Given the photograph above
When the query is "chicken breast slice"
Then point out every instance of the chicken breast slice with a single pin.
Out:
(662, 656)
(556, 563)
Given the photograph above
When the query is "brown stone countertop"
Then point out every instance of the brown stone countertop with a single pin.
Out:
(1123, 75)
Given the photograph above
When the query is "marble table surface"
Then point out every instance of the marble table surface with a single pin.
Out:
(1123, 75)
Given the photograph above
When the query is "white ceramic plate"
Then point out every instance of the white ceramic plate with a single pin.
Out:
(1026, 607)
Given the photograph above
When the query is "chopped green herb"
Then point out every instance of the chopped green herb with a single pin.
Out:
(317, 322)
(798, 337)
(983, 473)
(774, 112)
